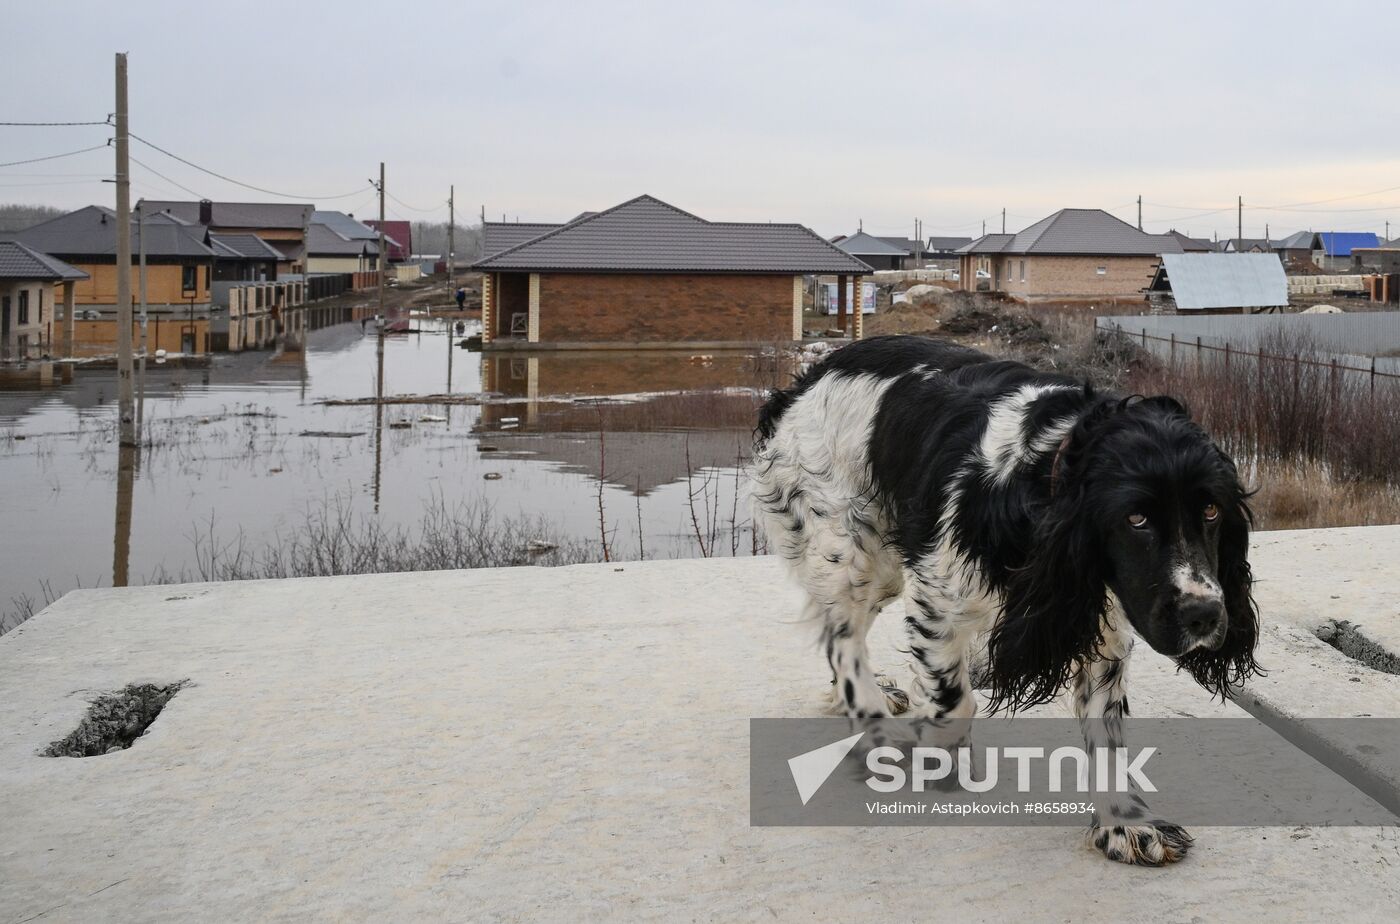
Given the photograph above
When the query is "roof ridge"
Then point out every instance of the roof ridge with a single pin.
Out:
(572, 225)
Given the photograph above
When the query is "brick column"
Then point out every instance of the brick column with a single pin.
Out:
(841, 306)
(533, 328)
(797, 308)
(70, 320)
(485, 308)
(858, 318)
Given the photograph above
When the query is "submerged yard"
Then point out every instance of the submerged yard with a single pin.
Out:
(285, 464)
(247, 471)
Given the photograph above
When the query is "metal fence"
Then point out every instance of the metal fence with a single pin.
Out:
(1325, 341)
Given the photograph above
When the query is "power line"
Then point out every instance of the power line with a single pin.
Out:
(228, 179)
(35, 160)
(166, 178)
(414, 208)
(48, 124)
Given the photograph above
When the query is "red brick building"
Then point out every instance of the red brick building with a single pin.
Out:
(645, 273)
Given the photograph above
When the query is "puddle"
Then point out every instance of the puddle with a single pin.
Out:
(115, 720)
(1350, 641)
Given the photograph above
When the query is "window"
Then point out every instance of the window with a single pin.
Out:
(23, 307)
(1023, 270)
(189, 278)
(1102, 271)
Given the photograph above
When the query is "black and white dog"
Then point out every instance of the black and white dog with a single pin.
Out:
(996, 497)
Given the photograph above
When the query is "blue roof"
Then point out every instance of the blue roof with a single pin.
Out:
(1340, 243)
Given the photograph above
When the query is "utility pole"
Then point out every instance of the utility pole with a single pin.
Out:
(1239, 233)
(984, 227)
(1139, 213)
(451, 230)
(1003, 221)
(125, 398)
(141, 285)
(382, 262)
(1268, 245)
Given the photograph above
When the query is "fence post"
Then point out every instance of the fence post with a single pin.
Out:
(1173, 353)
(1144, 336)
(1227, 354)
(1373, 375)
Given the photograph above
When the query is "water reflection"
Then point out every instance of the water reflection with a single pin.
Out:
(225, 461)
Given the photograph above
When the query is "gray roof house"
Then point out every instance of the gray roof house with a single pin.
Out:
(646, 272)
(946, 245)
(1219, 282)
(1073, 255)
(21, 262)
(882, 253)
(91, 233)
(281, 224)
(27, 298)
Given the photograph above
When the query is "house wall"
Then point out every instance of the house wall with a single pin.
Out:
(163, 284)
(1055, 277)
(664, 307)
(331, 264)
(36, 334)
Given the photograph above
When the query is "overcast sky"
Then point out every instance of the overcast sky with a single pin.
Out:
(823, 113)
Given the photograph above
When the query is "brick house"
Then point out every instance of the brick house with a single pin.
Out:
(280, 224)
(29, 281)
(645, 273)
(1072, 255)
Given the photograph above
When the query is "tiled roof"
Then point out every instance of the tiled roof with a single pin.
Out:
(240, 214)
(1071, 232)
(1340, 243)
(503, 235)
(92, 232)
(1191, 244)
(868, 245)
(243, 247)
(18, 261)
(907, 244)
(326, 242)
(1225, 280)
(1303, 240)
(347, 226)
(987, 243)
(947, 244)
(648, 236)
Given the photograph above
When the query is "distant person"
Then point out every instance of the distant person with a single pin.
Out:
(461, 297)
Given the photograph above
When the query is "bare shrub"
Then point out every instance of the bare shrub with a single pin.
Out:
(1285, 402)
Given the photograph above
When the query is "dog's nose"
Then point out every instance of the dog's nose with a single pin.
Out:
(1201, 616)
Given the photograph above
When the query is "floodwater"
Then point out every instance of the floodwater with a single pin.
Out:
(236, 453)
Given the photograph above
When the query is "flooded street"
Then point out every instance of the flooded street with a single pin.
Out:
(244, 451)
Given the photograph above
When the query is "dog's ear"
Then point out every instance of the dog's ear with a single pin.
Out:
(1054, 608)
(1233, 663)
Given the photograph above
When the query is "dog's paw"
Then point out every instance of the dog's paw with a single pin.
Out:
(1156, 843)
(896, 700)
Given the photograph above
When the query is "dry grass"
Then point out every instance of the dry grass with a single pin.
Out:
(1303, 496)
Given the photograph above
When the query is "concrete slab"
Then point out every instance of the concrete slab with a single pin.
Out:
(524, 744)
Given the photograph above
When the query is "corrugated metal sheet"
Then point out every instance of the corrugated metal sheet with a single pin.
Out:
(1202, 281)
(1340, 243)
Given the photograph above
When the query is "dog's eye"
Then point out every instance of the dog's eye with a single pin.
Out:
(1137, 520)
(1211, 513)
